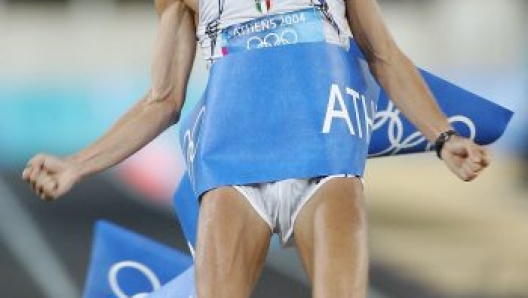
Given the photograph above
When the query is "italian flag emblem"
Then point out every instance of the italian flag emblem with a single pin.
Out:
(263, 6)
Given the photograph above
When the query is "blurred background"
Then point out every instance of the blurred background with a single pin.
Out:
(69, 68)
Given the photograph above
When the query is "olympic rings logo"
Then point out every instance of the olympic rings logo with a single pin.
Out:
(144, 270)
(272, 39)
(391, 118)
(191, 143)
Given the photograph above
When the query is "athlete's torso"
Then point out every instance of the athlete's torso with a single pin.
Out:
(238, 11)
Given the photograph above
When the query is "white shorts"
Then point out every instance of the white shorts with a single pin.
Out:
(279, 202)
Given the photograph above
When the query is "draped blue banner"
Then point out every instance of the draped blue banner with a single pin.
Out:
(124, 264)
(247, 141)
(308, 102)
(187, 210)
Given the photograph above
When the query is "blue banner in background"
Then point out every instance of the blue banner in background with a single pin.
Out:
(124, 264)
(471, 115)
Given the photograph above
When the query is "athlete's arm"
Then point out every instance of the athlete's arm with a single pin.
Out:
(175, 49)
(406, 88)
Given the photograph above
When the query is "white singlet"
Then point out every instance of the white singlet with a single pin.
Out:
(238, 11)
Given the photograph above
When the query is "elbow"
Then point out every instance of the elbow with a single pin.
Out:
(389, 63)
(385, 56)
(166, 103)
(159, 93)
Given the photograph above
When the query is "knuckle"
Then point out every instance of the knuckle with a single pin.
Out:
(40, 191)
(35, 174)
(38, 158)
(33, 178)
(46, 188)
(38, 184)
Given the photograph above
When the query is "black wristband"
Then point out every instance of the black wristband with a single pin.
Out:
(442, 139)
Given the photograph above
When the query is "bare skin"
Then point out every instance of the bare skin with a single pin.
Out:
(331, 237)
(232, 244)
(330, 231)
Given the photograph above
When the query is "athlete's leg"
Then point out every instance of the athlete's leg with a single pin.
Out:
(331, 236)
(231, 247)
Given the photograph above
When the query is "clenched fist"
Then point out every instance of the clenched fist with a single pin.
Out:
(50, 176)
(464, 158)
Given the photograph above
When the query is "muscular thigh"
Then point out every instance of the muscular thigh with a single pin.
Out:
(330, 233)
(231, 246)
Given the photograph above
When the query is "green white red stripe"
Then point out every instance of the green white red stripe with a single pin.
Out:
(263, 6)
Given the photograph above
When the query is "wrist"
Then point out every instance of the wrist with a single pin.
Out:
(75, 167)
(443, 138)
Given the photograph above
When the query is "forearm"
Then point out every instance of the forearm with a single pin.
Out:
(407, 89)
(140, 125)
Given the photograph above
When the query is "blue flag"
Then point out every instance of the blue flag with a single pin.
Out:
(124, 264)
(471, 115)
